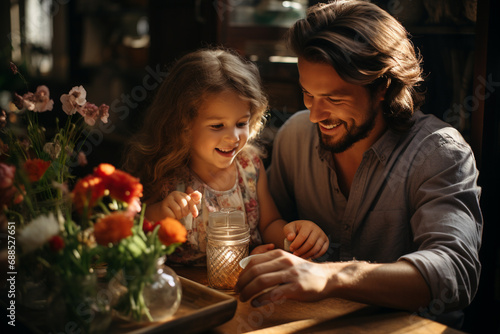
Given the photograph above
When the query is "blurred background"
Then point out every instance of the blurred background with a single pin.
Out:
(118, 50)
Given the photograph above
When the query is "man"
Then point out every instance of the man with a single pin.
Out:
(393, 188)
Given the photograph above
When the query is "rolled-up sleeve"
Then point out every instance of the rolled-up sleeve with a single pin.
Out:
(446, 220)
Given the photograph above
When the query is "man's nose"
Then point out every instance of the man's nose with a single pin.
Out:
(318, 112)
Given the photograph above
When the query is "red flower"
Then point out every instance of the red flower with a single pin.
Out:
(122, 186)
(87, 192)
(171, 231)
(104, 170)
(113, 228)
(56, 243)
(148, 226)
(36, 168)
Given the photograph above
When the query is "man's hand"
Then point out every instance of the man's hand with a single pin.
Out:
(292, 276)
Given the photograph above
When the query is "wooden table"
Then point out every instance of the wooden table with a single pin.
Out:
(331, 315)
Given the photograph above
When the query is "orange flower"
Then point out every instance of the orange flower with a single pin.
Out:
(171, 231)
(36, 168)
(113, 228)
(87, 191)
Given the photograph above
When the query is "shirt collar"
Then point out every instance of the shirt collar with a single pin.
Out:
(382, 148)
(385, 145)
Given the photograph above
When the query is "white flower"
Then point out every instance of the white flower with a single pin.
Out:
(52, 149)
(75, 100)
(38, 232)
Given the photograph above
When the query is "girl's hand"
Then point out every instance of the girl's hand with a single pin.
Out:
(178, 204)
(262, 249)
(308, 239)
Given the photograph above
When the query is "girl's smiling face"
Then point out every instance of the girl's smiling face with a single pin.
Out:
(219, 132)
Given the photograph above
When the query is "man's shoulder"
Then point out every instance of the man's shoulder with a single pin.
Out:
(433, 140)
(297, 123)
(430, 127)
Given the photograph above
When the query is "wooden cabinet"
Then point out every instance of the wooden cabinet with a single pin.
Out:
(178, 27)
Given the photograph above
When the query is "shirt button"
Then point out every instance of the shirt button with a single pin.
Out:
(346, 227)
(382, 157)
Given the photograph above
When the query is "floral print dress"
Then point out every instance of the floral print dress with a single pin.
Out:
(242, 196)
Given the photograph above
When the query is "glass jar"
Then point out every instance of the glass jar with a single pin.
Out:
(228, 239)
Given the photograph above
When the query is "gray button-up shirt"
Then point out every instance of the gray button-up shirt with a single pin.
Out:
(414, 197)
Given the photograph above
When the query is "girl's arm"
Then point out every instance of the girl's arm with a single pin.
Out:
(270, 222)
(176, 205)
(307, 239)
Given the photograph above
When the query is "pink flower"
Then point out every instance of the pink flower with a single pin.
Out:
(91, 113)
(8, 192)
(74, 100)
(38, 102)
(7, 174)
(63, 187)
(82, 159)
(134, 207)
(27, 101)
(104, 113)
(42, 100)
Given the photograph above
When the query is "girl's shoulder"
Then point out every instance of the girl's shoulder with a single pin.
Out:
(249, 157)
(181, 183)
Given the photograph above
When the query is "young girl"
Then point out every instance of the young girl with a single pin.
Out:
(192, 155)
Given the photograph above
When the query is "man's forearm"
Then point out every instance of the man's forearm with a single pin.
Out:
(396, 285)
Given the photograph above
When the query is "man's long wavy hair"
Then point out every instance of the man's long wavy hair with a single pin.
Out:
(366, 46)
(160, 151)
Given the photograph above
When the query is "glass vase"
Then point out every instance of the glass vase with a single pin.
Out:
(151, 299)
(79, 305)
(33, 287)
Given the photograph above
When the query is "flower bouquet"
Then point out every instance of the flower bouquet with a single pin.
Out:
(133, 249)
(64, 237)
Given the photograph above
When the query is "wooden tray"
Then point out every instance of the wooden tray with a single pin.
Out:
(201, 308)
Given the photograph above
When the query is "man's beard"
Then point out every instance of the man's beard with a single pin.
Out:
(352, 136)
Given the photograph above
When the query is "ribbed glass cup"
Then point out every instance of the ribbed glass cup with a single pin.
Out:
(228, 238)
